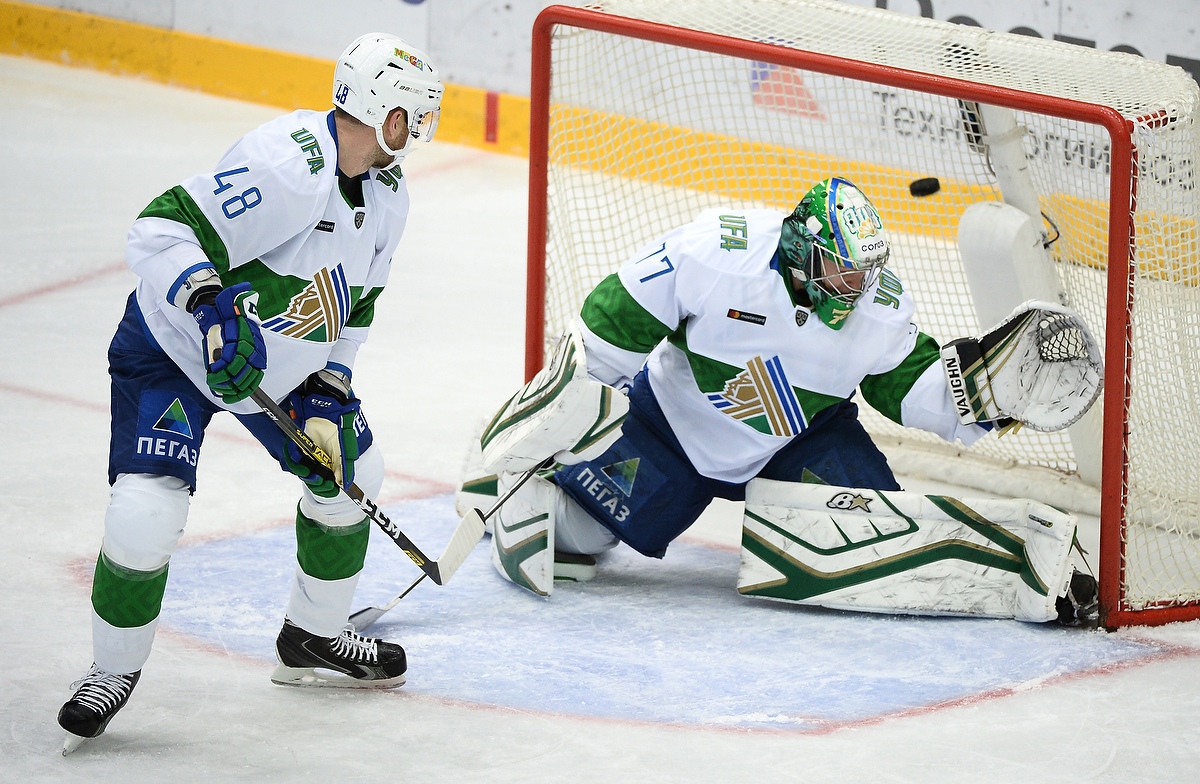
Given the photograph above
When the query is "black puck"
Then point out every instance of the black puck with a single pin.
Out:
(926, 186)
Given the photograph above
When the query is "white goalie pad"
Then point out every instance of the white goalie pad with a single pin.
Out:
(1041, 366)
(477, 488)
(907, 553)
(561, 412)
(523, 535)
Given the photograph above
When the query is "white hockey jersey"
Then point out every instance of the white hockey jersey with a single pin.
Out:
(738, 367)
(273, 214)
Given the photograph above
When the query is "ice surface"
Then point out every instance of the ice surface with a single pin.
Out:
(698, 653)
(657, 671)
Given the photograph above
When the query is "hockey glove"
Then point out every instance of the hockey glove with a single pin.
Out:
(234, 352)
(325, 408)
(1040, 366)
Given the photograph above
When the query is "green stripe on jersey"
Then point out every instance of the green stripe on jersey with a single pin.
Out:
(362, 313)
(616, 317)
(179, 206)
(275, 292)
(887, 391)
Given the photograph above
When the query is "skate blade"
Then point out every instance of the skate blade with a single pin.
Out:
(309, 677)
(73, 742)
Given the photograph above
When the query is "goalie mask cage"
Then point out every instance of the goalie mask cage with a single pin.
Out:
(645, 112)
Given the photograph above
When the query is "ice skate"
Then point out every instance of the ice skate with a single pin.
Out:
(574, 567)
(97, 698)
(346, 661)
(1080, 606)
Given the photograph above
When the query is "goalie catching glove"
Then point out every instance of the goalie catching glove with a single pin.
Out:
(325, 408)
(1040, 366)
(560, 413)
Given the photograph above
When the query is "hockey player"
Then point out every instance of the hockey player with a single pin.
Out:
(261, 274)
(741, 339)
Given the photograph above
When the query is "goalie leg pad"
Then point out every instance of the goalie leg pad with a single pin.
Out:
(561, 412)
(542, 535)
(898, 552)
(477, 487)
(523, 535)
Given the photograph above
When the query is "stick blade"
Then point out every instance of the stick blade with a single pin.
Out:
(366, 618)
(468, 533)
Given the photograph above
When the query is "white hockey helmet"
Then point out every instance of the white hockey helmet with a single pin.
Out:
(379, 72)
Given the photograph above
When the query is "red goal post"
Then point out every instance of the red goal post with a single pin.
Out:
(789, 139)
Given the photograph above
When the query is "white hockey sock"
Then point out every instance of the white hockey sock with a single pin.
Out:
(121, 650)
(321, 606)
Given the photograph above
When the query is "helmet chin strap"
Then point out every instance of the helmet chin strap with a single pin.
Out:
(397, 155)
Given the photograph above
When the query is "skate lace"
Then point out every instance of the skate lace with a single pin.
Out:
(355, 647)
(100, 690)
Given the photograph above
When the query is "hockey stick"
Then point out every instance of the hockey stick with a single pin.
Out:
(462, 541)
(367, 616)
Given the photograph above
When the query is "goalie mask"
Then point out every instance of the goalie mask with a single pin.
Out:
(378, 73)
(833, 246)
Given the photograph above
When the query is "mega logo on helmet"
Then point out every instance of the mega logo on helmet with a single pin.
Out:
(412, 59)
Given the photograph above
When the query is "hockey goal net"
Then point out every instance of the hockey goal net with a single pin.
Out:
(646, 112)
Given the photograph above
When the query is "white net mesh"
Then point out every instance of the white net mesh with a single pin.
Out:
(644, 135)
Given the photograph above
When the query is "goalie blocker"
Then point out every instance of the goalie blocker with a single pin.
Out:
(1040, 366)
(900, 552)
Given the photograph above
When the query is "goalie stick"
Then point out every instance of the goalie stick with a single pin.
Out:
(367, 616)
(469, 531)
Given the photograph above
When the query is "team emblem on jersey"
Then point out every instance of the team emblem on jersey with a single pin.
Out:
(761, 397)
(317, 313)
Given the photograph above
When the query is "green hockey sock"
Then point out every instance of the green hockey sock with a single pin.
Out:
(127, 598)
(329, 552)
